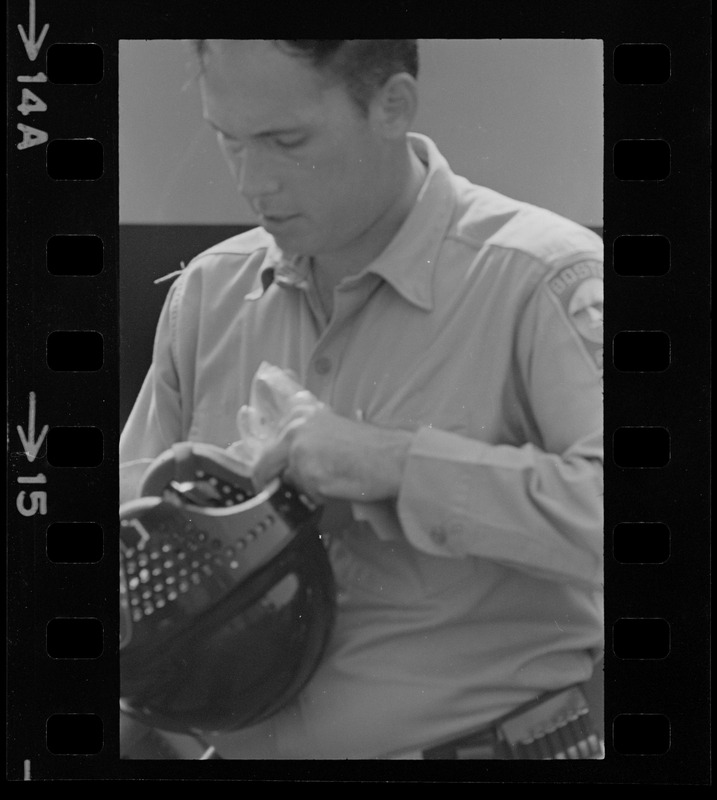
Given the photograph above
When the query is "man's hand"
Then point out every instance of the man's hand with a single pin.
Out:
(329, 456)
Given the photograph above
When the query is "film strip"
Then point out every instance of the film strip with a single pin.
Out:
(63, 386)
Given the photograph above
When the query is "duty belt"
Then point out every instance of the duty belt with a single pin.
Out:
(555, 726)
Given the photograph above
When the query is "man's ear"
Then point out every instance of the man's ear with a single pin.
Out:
(394, 106)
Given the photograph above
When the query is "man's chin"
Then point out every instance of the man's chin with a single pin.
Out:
(291, 241)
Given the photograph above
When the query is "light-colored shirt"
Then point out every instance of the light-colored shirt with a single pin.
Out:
(479, 329)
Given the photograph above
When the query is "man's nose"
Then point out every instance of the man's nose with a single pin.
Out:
(256, 177)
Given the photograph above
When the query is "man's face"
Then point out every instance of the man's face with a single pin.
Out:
(312, 166)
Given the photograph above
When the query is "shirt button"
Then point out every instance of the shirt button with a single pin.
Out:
(438, 534)
(322, 365)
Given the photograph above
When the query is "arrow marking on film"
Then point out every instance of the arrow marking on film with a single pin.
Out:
(32, 45)
(28, 442)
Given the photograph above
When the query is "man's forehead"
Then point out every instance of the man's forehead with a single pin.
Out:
(255, 82)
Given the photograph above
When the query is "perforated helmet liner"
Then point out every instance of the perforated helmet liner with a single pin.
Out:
(225, 609)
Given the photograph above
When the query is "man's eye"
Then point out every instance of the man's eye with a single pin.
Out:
(290, 141)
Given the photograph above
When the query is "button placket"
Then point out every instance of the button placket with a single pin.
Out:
(333, 339)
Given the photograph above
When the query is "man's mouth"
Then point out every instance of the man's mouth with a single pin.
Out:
(277, 219)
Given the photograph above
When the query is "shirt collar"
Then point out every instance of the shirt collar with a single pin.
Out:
(281, 268)
(409, 261)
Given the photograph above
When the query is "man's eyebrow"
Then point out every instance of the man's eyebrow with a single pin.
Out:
(262, 135)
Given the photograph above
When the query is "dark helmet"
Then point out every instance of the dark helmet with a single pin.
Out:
(226, 596)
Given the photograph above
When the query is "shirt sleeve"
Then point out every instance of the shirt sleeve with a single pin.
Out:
(537, 507)
(155, 422)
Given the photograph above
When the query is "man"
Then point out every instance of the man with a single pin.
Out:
(450, 334)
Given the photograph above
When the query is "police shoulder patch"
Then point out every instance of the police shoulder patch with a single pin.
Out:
(580, 294)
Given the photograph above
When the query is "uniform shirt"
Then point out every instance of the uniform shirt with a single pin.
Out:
(479, 329)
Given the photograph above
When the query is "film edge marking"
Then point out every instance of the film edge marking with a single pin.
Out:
(31, 446)
(30, 102)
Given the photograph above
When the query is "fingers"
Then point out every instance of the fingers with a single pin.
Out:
(276, 458)
(305, 398)
(283, 458)
(272, 462)
(280, 458)
(302, 408)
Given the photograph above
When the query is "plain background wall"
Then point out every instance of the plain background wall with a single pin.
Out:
(523, 117)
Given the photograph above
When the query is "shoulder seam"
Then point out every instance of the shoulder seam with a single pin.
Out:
(478, 246)
(211, 252)
(178, 291)
(550, 266)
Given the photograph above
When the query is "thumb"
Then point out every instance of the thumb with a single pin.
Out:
(272, 462)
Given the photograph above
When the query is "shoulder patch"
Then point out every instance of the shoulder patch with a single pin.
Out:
(580, 292)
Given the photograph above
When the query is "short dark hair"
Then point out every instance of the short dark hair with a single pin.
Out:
(362, 65)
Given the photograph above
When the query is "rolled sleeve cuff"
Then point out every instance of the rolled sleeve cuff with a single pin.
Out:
(461, 497)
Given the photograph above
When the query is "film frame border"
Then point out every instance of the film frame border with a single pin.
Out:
(40, 400)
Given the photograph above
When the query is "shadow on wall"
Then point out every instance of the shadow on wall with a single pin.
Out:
(148, 252)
